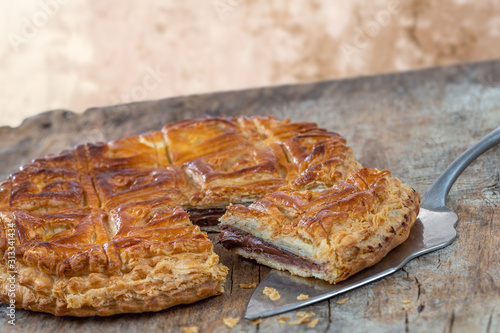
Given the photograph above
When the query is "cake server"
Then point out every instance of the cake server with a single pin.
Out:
(433, 230)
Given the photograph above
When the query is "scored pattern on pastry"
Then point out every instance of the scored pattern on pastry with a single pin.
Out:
(329, 235)
(104, 228)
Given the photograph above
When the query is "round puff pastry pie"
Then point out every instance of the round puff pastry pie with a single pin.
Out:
(114, 227)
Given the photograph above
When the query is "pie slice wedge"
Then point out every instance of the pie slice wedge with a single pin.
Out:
(330, 234)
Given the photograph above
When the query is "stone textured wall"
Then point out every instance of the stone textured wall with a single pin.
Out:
(76, 54)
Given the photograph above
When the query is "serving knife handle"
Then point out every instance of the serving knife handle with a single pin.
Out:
(435, 196)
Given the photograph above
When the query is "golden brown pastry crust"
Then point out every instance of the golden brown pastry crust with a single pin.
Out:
(341, 230)
(101, 229)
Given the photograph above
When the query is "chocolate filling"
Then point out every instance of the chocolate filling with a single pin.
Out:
(205, 217)
(231, 237)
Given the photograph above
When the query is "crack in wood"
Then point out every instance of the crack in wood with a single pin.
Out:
(407, 274)
(419, 286)
(488, 200)
(452, 321)
(496, 181)
(231, 284)
(407, 324)
(490, 319)
(329, 316)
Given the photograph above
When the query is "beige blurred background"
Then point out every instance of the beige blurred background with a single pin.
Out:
(76, 54)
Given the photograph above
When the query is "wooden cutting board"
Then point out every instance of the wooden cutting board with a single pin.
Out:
(413, 124)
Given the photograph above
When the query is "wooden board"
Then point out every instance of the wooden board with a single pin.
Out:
(413, 124)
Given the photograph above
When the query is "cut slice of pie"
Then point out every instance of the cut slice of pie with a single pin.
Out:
(328, 234)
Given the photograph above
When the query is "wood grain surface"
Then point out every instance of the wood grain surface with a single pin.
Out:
(413, 124)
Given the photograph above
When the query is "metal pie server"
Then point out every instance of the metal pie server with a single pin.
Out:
(433, 230)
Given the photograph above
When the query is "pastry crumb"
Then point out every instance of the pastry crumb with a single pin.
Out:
(190, 329)
(283, 319)
(231, 322)
(300, 321)
(406, 302)
(248, 285)
(272, 293)
(305, 314)
(302, 297)
(391, 292)
(257, 321)
(313, 323)
(342, 301)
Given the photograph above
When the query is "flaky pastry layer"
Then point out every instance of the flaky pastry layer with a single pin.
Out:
(150, 267)
(340, 231)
